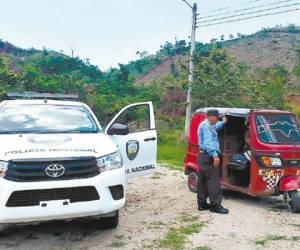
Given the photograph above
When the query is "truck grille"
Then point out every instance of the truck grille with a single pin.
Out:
(35, 169)
(34, 197)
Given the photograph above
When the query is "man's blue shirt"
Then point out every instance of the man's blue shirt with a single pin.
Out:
(208, 137)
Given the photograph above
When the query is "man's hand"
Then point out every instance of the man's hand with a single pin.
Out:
(225, 119)
(216, 162)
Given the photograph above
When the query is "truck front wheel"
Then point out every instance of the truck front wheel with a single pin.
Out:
(295, 201)
(110, 222)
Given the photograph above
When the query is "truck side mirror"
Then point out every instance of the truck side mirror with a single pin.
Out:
(118, 129)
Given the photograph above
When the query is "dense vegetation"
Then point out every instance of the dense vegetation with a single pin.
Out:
(219, 81)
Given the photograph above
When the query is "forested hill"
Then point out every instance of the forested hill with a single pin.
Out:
(54, 72)
(257, 70)
(266, 48)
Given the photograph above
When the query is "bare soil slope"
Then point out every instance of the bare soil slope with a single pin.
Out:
(263, 49)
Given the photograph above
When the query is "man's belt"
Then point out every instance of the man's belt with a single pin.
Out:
(205, 152)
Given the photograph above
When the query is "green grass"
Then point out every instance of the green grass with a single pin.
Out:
(269, 238)
(157, 175)
(202, 248)
(171, 148)
(295, 225)
(117, 241)
(187, 217)
(264, 241)
(175, 239)
(172, 156)
(156, 225)
(295, 238)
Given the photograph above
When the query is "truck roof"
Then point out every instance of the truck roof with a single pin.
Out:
(40, 102)
(240, 112)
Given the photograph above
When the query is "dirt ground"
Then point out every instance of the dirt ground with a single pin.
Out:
(157, 203)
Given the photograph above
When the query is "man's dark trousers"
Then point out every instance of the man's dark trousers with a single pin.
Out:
(209, 183)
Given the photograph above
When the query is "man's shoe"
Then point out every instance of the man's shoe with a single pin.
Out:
(219, 210)
(204, 206)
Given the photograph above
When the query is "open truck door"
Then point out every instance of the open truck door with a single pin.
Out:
(133, 130)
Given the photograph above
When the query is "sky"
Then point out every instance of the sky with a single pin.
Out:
(108, 32)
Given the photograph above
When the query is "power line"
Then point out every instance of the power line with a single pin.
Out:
(249, 8)
(232, 6)
(246, 18)
(249, 13)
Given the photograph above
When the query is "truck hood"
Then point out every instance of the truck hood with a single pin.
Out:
(33, 146)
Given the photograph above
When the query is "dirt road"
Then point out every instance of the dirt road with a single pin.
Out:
(161, 213)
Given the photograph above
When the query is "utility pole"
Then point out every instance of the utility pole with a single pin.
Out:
(188, 113)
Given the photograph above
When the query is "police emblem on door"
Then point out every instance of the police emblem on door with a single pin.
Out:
(132, 149)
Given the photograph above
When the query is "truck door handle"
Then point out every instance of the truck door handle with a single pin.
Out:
(150, 139)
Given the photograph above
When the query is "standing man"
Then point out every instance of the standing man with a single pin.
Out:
(209, 182)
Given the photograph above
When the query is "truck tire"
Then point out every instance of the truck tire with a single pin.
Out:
(295, 201)
(110, 222)
(192, 181)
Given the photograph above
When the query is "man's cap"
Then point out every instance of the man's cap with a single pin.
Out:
(213, 112)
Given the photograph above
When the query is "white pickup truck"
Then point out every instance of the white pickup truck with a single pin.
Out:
(56, 161)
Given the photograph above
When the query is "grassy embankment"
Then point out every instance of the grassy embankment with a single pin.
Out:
(171, 148)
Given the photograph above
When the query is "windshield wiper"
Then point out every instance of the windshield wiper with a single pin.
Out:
(78, 131)
(10, 132)
(67, 131)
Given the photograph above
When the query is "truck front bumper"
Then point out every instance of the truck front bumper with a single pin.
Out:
(62, 209)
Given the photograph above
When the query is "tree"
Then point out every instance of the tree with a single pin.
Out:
(213, 40)
(123, 73)
(297, 47)
(292, 28)
(219, 81)
(168, 49)
(216, 81)
(10, 80)
(296, 71)
(143, 54)
(180, 47)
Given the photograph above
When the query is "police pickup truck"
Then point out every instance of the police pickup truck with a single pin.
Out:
(57, 162)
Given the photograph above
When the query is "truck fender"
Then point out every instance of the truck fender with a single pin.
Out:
(289, 183)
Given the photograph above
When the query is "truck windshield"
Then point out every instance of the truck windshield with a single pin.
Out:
(277, 128)
(46, 119)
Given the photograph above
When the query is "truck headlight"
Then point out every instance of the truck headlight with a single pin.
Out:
(109, 162)
(271, 161)
(3, 168)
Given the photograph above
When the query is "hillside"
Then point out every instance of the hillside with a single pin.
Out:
(217, 66)
(266, 48)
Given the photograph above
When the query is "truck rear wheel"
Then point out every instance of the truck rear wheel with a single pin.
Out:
(192, 181)
(110, 222)
(295, 201)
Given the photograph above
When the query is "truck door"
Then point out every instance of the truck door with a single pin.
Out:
(138, 145)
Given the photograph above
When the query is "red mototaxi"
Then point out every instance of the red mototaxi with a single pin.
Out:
(274, 142)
